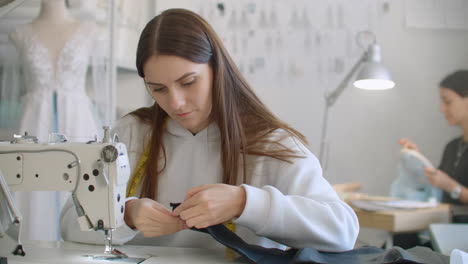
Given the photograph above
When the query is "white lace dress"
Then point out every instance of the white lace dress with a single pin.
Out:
(55, 101)
(55, 98)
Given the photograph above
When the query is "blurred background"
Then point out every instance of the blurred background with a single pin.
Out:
(294, 52)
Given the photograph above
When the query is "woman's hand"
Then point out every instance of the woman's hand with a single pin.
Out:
(440, 179)
(406, 143)
(211, 204)
(151, 218)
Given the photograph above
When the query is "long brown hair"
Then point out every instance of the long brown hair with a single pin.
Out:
(244, 122)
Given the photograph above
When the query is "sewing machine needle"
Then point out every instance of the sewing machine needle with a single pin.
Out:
(108, 248)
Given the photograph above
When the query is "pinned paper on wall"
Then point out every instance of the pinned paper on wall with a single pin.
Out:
(297, 39)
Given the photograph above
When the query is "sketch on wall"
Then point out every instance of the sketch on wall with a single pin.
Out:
(275, 41)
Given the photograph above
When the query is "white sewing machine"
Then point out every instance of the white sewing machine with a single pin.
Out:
(96, 174)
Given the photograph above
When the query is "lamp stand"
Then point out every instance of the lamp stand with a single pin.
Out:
(330, 99)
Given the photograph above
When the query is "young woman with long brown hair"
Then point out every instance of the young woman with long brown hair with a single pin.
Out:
(210, 143)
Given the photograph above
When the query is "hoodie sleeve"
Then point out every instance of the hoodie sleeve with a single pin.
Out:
(293, 204)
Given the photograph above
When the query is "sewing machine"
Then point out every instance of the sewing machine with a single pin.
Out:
(96, 174)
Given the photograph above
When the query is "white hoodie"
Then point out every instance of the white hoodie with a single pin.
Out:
(287, 205)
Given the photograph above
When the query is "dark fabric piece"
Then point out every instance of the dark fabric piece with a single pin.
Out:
(459, 173)
(460, 213)
(252, 253)
(427, 255)
(410, 240)
(406, 240)
(371, 255)
(460, 219)
(364, 255)
(360, 255)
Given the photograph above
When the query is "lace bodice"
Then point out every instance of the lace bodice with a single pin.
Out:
(55, 99)
(67, 73)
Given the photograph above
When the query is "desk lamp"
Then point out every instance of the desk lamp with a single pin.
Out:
(372, 76)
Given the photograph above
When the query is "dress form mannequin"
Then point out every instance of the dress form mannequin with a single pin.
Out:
(54, 26)
(55, 52)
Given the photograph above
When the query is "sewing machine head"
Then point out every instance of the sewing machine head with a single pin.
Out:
(96, 174)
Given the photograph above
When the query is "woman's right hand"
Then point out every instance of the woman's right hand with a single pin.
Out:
(406, 143)
(151, 218)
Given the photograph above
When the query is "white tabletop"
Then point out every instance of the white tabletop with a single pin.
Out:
(68, 252)
(446, 237)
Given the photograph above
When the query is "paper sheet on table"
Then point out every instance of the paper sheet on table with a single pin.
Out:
(407, 204)
(370, 205)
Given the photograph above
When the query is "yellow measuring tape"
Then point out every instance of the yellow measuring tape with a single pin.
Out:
(231, 254)
(138, 172)
(137, 175)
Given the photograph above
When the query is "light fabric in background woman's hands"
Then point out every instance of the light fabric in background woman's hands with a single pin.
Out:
(412, 183)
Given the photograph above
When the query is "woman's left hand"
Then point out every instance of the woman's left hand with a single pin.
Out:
(440, 179)
(211, 204)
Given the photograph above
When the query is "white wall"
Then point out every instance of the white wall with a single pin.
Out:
(131, 93)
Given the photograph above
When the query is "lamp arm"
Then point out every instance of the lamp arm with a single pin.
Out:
(330, 99)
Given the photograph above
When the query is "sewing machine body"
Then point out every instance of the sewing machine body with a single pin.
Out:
(95, 173)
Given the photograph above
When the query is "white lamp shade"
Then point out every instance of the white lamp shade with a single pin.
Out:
(374, 76)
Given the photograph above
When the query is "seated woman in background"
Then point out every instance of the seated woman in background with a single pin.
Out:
(452, 174)
(210, 143)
